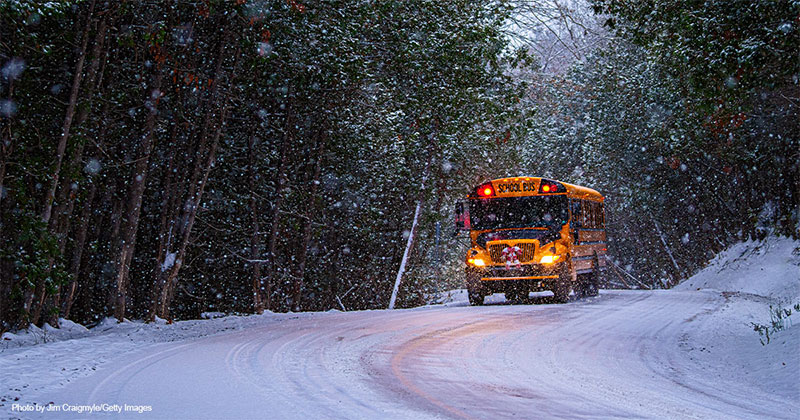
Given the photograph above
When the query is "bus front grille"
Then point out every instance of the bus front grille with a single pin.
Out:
(496, 252)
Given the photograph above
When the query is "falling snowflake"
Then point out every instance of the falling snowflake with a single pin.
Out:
(13, 69)
(8, 108)
(264, 49)
(92, 166)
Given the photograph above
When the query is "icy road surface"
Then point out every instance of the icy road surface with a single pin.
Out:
(624, 354)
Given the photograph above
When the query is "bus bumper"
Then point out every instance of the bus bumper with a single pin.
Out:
(533, 277)
(526, 272)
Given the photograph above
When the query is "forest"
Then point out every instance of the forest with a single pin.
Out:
(161, 159)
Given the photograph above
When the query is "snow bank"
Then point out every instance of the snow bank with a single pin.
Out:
(448, 297)
(769, 268)
(754, 278)
(48, 334)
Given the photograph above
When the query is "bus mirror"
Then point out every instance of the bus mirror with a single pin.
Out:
(462, 217)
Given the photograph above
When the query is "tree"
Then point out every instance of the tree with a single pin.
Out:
(244, 156)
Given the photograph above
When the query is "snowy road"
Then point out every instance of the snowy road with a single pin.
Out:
(620, 355)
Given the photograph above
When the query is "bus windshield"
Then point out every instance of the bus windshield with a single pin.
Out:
(518, 212)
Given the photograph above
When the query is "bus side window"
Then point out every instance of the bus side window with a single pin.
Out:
(587, 219)
(598, 216)
(602, 214)
(592, 214)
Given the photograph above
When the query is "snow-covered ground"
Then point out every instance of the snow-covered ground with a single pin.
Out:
(690, 352)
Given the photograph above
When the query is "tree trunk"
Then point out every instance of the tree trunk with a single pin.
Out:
(134, 203)
(669, 253)
(5, 145)
(27, 303)
(7, 269)
(255, 242)
(86, 214)
(73, 101)
(167, 225)
(277, 207)
(80, 242)
(307, 229)
(60, 223)
(407, 252)
(411, 235)
(5, 148)
(169, 277)
(40, 291)
(170, 281)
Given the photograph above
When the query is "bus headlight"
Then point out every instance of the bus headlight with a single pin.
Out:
(549, 259)
(477, 262)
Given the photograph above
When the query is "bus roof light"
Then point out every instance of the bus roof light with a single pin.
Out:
(486, 190)
(547, 186)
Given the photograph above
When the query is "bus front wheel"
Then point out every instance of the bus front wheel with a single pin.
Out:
(475, 291)
(563, 287)
(475, 297)
(562, 291)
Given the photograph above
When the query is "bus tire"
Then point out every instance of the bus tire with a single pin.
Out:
(591, 287)
(475, 297)
(563, 286)
(594, 279)
(587, 286)
(561, 291)
(475, 291)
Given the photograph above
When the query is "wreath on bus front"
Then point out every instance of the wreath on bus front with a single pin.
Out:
(510, 256)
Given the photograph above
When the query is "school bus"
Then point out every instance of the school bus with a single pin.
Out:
(532, 234)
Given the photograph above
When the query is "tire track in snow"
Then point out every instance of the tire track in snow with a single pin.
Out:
(121, 376)
(320, 363)
(424, 362)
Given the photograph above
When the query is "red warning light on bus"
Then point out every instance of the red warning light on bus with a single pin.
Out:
(486, 190)
(548, 186)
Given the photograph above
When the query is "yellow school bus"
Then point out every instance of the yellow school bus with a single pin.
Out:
(532, 234)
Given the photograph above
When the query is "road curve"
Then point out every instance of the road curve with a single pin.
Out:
(620, 355)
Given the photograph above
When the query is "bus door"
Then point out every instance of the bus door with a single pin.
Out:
(576, 220)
